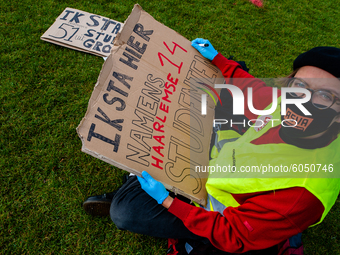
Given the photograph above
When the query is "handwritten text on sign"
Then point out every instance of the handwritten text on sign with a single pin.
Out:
(151, 110)
(144, 113)
(83, 31)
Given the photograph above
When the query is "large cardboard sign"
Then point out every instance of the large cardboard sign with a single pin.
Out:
(145, 110)
(83, 31)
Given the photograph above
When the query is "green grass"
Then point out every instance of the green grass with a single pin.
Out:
(44, 91)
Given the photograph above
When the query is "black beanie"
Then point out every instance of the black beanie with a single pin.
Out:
(326, 58)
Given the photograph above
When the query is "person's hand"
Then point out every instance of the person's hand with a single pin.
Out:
(154, 188)
(207, 51)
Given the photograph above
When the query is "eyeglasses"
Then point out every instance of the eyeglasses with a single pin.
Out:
(321, 99)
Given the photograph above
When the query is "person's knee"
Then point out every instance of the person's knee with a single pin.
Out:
(117, 214)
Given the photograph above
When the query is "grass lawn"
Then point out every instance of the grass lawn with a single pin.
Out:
(44, 91)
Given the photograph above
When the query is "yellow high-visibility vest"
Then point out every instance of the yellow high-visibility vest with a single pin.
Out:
(242, 153)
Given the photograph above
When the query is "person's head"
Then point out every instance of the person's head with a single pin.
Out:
(317, 70)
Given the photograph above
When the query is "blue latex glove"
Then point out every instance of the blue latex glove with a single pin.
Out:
(207, 51)
(154, 188)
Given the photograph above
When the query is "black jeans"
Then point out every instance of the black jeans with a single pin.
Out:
(134, 210)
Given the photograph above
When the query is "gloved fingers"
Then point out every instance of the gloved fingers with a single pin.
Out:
(205, 48)
(154, 188)
(147, 176)
(199, 41)
(196, 43)
(142, 181)
(196, 46)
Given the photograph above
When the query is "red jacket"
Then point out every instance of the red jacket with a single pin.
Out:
(263, 219)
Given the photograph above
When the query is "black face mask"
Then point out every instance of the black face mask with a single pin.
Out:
(305, 126)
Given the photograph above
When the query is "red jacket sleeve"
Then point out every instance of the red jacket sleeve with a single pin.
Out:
(235, 75)
(261, 221)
